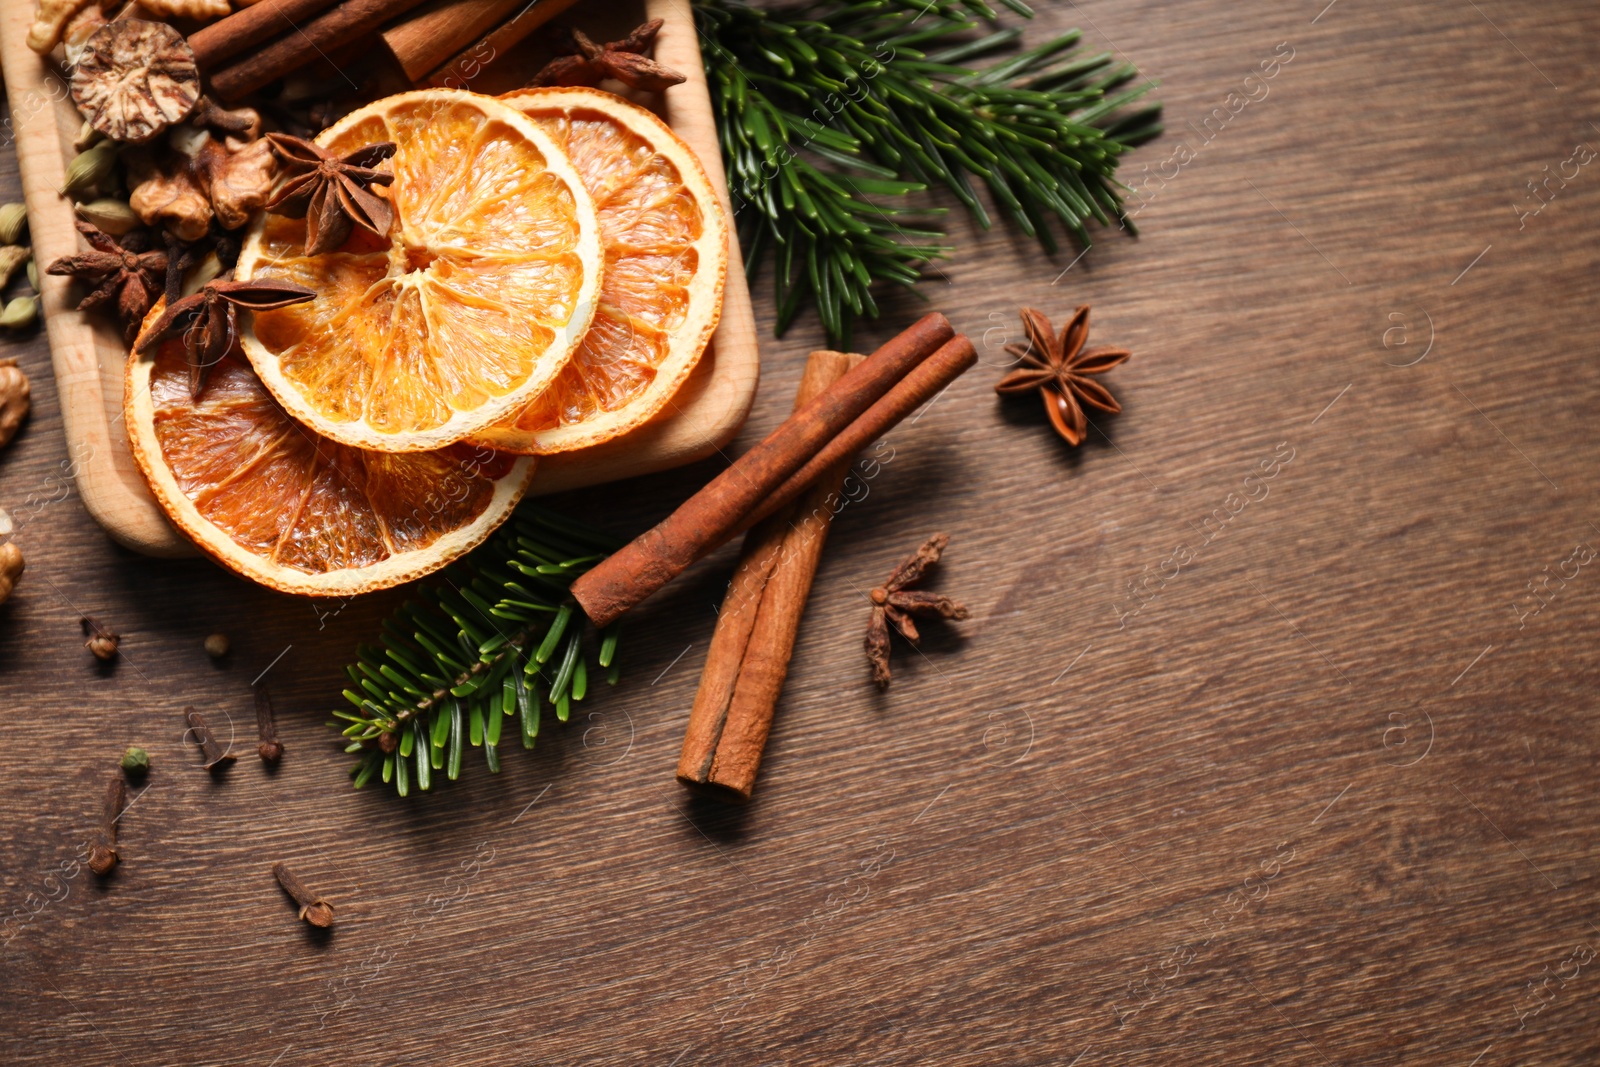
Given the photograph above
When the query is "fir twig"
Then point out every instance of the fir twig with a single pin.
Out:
(831, 114)
(495, 637)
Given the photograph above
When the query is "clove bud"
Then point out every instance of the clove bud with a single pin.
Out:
(216, 756)
(313, 909)
(103, 853)
(270, 749)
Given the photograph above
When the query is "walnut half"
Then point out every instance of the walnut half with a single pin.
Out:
(14, 400)
(134, 79)
(238, 177)
(169, 193)
(51, 22)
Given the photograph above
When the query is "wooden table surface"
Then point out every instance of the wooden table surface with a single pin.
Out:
(1227, 766)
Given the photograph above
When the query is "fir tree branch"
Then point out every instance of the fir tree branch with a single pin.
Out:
(833, 113)
(475, 647)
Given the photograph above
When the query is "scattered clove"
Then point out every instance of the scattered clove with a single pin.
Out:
(103, 853)
(216, 757)
(102, 642)
(135, 762)
(313, 909)
(894, 602)
(270, 749)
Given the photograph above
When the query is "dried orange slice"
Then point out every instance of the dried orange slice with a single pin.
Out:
(275, 502)
(666, 247)
(471, 306)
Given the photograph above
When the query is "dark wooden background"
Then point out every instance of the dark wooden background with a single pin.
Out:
(1326, 797)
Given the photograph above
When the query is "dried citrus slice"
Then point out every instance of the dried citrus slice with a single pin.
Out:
(273, 501)
(666, 246)
(477, 298)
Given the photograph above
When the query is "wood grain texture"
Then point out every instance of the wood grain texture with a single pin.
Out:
(1328, 797)
(702, 417)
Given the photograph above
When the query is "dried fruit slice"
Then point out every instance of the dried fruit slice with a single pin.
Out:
(276, 503)
(666, 246)
(471, 306)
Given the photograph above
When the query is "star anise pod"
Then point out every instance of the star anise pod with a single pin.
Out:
(332, 194)
(626, 60)
(1059, 367)
(893, 602)
(209, 319)
(127, 271)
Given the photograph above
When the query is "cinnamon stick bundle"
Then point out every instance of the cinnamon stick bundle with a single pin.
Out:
(754, 638)
(347, 22)
(707, 519)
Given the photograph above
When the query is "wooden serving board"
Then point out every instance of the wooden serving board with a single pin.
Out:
(88, 354)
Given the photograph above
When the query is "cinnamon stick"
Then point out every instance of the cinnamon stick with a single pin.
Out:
(710, 517)
(926, 381)
(754, 637)
(426, 38)
(227, 37)
(467, 64)
(350, 20)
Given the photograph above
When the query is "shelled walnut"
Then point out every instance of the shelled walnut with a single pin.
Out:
(14, 399)
(51, 21)
(166, 191)
(238, 178)
(10, 569)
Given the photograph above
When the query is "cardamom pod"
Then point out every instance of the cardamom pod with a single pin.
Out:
(87, 135)
(21, 312)
(111, 216)
(33, 273)
(89, 168)
(13, 224)
(12, 257)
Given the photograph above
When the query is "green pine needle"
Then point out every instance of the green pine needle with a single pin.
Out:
(833, 113)
(473, 649)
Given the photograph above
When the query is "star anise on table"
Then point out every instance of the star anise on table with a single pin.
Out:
(1060, 368)
(893, 602)
(331, 193)
(209, 319)
(127, 271)
(626, 60)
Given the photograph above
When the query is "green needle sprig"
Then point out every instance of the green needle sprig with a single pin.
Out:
(493, 639)
(832, 114)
